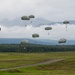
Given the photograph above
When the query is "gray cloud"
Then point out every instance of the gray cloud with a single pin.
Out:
(58, 31)
(54, 10)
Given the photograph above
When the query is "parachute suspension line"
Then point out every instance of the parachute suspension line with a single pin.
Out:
(25, 18)
(48, 28)
(35, 41)
(25, 25)
(66, 25)
(48, 33)
(31, 21)
(31, 17)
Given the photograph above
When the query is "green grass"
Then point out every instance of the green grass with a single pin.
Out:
(64, 67)
(20, 59)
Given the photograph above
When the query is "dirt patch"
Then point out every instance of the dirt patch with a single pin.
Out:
(14, 71)
(37, 64)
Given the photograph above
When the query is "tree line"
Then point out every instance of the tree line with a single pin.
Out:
(35, 48)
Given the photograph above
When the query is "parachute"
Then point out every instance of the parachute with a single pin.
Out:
(48, 28)
(25, 18)
(66, 22)
(35, 35)
(24, 42)
(63, 40)
(31, 16)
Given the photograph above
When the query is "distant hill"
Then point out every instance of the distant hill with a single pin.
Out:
(19, 22)
(34, 41)
(35, 22)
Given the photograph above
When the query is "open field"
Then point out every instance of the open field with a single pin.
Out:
(63, 67)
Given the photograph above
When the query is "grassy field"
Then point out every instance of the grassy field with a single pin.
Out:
(64, 67)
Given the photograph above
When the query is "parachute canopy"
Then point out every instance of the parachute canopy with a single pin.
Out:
(31, 16)
(24, 42)
(25, 18)
(48, 28)
(63, 40)
(66, 22)
(35, 35)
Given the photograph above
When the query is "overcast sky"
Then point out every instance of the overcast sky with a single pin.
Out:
(53, 10)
